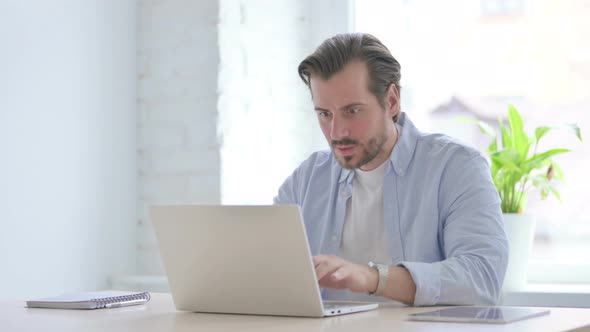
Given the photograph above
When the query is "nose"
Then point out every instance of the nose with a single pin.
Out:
(339, 129)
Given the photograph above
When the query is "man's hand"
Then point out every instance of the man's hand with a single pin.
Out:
(335, 272)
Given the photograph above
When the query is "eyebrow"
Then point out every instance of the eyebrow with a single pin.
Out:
(343, 107)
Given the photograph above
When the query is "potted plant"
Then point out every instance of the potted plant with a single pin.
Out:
(517, 167)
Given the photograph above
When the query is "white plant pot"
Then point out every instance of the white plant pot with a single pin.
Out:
(520, 230)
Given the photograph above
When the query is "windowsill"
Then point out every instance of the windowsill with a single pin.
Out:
(143, 283)
(550, 295)
(536, 295)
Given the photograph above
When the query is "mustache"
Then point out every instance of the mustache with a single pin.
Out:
(346, 141)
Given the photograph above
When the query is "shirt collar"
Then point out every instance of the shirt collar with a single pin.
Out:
(402, 153)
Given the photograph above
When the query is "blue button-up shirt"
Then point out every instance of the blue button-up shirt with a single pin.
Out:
(440, 208)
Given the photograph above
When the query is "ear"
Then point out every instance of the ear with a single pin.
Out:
(392, 100)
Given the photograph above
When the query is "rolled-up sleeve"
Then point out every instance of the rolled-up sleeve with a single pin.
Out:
(473, 240)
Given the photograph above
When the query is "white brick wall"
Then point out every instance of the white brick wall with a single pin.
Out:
(178, 149)
(266, 116)
(227, 67)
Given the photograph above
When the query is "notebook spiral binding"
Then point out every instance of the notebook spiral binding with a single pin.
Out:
(102, 303)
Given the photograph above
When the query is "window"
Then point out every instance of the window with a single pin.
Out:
(501, 7)
(457, 62)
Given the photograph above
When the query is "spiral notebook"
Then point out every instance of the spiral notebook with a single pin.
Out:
(96, 300)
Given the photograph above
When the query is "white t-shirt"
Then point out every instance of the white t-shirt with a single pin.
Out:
(364, 236)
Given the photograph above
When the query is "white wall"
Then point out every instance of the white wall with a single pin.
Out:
(67, 145)
(266, 115)
(223, 115)
(178, 149)
(219, 77)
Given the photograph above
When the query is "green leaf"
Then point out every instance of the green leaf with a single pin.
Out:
(573, 128)
(555, 192)
(545, 186)
(507, 156)
(493, 147)
(544, 193)
(558, 172)
(506, 138)
(540, 132)
(519, 138)
(506, 180)
(513, 171)
(484, 127)
(542, 159)
(540, 181)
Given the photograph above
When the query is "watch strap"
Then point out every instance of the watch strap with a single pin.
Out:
(383, 271)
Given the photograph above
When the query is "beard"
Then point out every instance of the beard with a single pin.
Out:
(368, 151)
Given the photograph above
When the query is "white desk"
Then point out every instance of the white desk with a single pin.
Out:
(160, 315)
(536, 295)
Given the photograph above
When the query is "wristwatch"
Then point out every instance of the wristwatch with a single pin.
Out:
(383, 271)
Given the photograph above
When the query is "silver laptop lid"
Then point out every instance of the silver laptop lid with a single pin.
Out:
(238, 259)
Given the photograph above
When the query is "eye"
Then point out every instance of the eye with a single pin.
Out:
(352, 111)
(323, 114)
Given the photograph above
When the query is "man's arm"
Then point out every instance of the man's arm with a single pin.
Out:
(335, 272)
(286, 194)
(400, 285)
(473, 242)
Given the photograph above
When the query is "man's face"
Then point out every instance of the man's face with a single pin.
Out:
(359, 130)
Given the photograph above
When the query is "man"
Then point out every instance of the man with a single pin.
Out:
(390, 211)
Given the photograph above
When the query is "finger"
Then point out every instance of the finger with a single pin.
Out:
(327, 282)
(325, 268)
(324, 258)
(318, 259)
(327, 264)
(337, 279)
(342, 274)
(348, 276)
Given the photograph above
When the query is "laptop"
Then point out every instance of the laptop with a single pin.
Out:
(241, 260)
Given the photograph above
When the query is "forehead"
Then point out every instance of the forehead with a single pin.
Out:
(347, 86)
